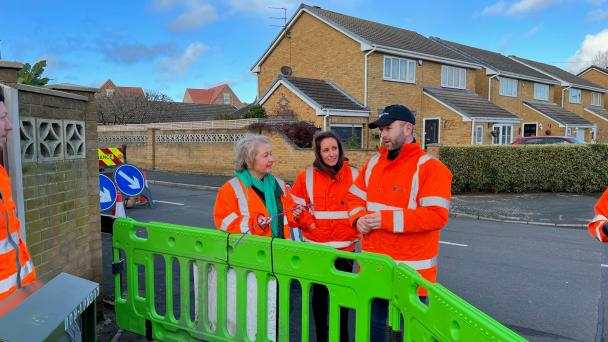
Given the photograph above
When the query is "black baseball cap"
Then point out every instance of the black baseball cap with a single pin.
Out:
(393, 113)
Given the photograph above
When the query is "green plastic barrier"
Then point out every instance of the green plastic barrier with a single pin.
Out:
(235, 297)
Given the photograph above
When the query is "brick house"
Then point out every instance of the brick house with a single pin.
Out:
(376, 65)
(597, 75)
(524, 91)
(109, 88)
(576, 95)
(220, 95)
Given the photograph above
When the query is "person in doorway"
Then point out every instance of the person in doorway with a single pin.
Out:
(16, 269)
(324, 187)
(598, 226)
(400, 202)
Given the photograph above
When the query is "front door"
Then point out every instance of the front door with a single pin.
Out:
(431, 132)
(529, 130)
(580, 134)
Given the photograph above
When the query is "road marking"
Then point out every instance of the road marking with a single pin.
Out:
(603, 265)
(155, 201)
(453, 244)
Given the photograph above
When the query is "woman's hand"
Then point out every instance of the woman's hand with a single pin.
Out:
(264, 221)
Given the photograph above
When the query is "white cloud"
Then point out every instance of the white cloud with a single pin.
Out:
(262, 6)
(598, 15)
(518, 7)
(590, 47)
(496, 9)
(193, 13)
(173, 67)
(196, 15)
(534, 30)
(529, 6)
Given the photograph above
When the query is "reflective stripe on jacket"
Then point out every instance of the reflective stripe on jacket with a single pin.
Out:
(412, 193)
(237, 209)
(14, 272)
(596, 225)
(329, 212)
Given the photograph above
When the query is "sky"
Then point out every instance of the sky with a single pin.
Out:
(167, 46)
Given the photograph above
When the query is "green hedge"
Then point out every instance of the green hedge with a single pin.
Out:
(532, 168)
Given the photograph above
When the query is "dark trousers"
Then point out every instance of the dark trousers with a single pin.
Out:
(320, 305)
(379, 318)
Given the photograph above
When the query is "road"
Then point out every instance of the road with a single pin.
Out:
(542, 282)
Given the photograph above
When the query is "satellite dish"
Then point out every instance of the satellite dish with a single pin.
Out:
(285, 71)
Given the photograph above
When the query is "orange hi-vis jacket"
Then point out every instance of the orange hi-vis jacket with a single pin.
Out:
(596, 226)
(13, 271)
(329, 211)
(412, 194)
(237, 209)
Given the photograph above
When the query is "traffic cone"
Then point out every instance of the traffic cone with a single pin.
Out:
(119, 210)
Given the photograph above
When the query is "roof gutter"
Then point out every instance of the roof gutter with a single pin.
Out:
(365, 75)
(412, 54)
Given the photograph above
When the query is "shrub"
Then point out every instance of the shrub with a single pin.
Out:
(255, 111)
(300, 133)
(520, 168)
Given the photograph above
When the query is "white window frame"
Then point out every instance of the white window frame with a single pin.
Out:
(458, 76)
(478, 139)
(575, 99)
(538, 86)
(596, 99)
(227, 98)
(504, 91)
(501, 127)
(523, 126)
(349, 126)
(407, 77)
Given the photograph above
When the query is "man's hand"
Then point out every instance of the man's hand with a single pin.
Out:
(369, 222)
(298, 210)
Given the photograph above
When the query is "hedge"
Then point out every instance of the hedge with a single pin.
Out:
(531, 168)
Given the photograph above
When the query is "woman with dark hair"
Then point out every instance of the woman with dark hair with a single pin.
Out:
(324, 186)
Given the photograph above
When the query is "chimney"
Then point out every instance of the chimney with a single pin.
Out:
(8, 72)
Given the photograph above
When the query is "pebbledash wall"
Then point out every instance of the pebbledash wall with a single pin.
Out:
(207, 151)
(57, 130)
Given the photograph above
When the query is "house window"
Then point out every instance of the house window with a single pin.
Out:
(478, 134)
(541, 91)
(109, 92)
(399, 69)
(452, 77)
(508, 87)
(502, 134)
(596, 99)
(575, 95)
(349, 134)
(227, 99)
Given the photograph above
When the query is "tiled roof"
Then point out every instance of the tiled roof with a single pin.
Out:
(599, 111)
(182, 112)
(557, 113)
(325, 93)
(469, 104)
(205, 96)
(558, 73)
(494, 60)
(389, 36)
(131, 90)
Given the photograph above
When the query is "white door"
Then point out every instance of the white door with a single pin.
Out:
(580, 134)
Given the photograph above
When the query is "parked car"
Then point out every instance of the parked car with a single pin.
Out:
(547, 139)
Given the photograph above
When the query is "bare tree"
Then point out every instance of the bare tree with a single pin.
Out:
(120, 108)
(600, 59)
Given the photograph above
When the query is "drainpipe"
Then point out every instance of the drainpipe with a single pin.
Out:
(326, 120)
(365, 75)
(490, 87)
(472, 132)
(563, 90)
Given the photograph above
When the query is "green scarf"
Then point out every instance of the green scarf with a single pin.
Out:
(268, 186)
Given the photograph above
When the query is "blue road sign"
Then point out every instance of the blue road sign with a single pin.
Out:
(129, 180)
(107, 192)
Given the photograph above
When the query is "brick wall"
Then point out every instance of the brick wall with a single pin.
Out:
(599, 78)
(61, 196)
(214, 158)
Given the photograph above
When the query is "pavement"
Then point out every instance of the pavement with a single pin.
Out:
(542, 209)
